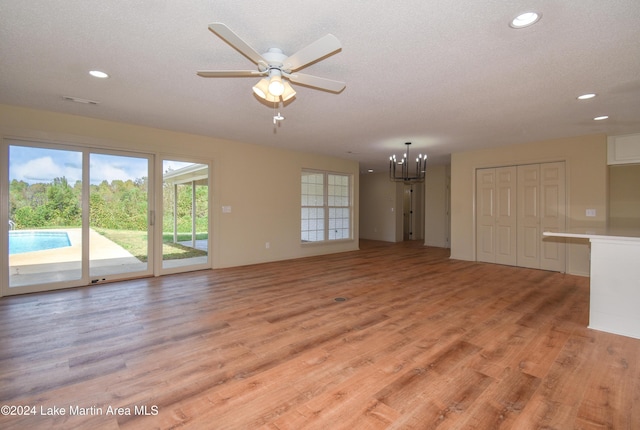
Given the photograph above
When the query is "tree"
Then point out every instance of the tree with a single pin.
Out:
(63, 207)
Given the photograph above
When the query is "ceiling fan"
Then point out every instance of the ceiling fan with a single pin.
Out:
(276, 68)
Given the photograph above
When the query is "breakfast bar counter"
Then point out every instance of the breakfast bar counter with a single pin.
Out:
(615, 279)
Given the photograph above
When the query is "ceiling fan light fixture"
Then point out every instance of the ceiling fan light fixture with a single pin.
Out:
(262, 88)
(276, 87)
(272, 99)
(288, 92)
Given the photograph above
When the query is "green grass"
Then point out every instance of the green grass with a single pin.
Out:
(136, 243)
(168, 237)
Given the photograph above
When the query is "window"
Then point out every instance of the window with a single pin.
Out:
(326, 206)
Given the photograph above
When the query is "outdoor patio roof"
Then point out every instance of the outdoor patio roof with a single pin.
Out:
(198, 173)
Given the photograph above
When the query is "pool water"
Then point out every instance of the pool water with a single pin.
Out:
(29, 241)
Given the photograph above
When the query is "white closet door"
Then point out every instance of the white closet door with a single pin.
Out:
(529, 234)
(552, 215)
(496, 217)
(506, 218)
(541, 207)
(485, 215)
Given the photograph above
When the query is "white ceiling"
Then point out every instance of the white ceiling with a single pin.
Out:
(446, 75)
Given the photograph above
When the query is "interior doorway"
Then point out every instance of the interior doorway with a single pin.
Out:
(413, 212)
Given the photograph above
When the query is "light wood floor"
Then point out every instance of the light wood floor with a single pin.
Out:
(421, 342)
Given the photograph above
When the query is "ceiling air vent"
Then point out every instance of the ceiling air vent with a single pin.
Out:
(79, 100)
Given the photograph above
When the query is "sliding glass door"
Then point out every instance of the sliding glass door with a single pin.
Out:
(79, 216)
(45, 238)
(76, 216)
(119, 228)
(185, 215)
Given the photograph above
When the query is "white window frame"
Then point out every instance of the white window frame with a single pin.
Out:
(333, 209)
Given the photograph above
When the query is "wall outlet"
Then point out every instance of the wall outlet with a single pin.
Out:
(590, 212)
(226, 209)
(267, 245)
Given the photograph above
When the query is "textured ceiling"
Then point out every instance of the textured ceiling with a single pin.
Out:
(447, 76)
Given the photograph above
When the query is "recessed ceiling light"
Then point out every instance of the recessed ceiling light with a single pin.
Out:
(525, 19)
(600, 118)
(586, 96)
(98, 74)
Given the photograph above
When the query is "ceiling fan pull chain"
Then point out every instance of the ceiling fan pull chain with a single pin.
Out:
(276, 116)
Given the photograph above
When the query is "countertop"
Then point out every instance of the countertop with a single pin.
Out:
(597, 233)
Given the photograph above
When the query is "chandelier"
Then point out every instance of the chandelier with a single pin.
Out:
(403, 173)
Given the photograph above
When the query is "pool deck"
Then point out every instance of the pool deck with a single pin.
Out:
(101, 248)
(106, 257)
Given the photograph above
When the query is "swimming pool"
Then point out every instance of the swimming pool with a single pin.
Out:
(29, 241)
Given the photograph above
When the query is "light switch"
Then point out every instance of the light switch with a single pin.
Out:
(591, 212)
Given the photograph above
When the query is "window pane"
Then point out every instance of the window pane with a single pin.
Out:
(312, 224)
(339, 223)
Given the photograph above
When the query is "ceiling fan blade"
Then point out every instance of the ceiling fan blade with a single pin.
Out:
(229, 73)
(318, 49)
(315, 81)
(236, 42)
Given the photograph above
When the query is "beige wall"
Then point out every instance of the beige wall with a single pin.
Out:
(436, 230)
(379, 208)
(624, 196)
(261, 184)
(586, 174)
